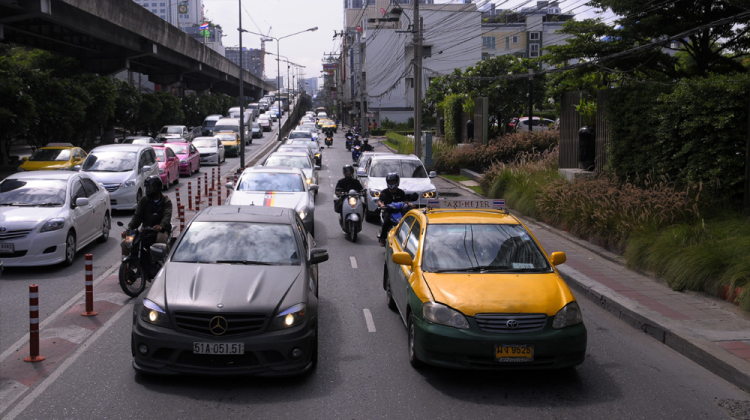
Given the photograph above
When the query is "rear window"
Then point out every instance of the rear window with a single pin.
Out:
(50, 155)
(262, 181)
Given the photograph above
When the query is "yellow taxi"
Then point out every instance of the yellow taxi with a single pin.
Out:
(329, 125)
(476, 290)
(54, 156)
(231, 142)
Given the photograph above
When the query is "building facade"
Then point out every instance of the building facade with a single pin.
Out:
(213, 41)
(180, 13)
(251, 59)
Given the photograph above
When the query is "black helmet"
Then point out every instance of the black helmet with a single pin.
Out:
(392, 180)
(153, 186)
(348, 171)
(365, 140)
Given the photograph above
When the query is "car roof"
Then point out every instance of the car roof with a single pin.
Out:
(225, 119)
(214, 117)
(304, 154)
(470, 216)
(64, 175)
(121, 147)
(174, 126)
(259, 214)
(207, 137)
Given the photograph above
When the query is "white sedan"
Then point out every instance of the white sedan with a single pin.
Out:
(47, 216)
(211, 150)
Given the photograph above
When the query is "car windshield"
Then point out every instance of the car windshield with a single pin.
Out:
(232, 128)
(171, 130)
(482, 247)
(404, 168)
(299, 135)
(32, 192)
(105, 161)
(266, 181)
(209, 123)
(256, 125)
(179, 149)
(238, 243)
(51, 155)
(226, 137)
(301, 162)
(308, 143)
(205, 143)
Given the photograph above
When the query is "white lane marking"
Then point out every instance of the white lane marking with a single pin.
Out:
(72, 333)
(369, 321)
(331, 185)
(10, 390)
(353, 261)
(18, 409)
(75, 299)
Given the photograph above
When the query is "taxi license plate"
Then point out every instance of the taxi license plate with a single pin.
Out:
(514, 353)
(219, 348)
(7, 248)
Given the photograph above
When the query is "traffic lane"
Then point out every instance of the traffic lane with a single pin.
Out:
(58, 284)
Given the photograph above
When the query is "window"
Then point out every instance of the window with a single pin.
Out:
(412, 242)
(162, 4)
(507, 42)
(153, 4)
(534, 36)
(153, 10)
(488, 42)
(163, 17)
(534, 50)
(162, 11)
(674, 45)
(89, 186)
(76, 191)
(403, 231)
(485, 56)
(515, 39)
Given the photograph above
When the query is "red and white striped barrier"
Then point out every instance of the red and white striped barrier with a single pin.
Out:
(205, 184)
(177, 194)
(210, 197)
(34, 355)
(181, 213)
(198, 202)
(213, 178)
(218, 194)
(89, 287)
(190, 196)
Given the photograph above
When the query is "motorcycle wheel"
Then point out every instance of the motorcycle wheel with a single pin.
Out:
(132, 283)
(352, 232)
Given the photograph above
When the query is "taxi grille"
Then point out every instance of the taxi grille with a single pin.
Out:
(237, 324)
(14, 234)
(112, 187)
(503, 323)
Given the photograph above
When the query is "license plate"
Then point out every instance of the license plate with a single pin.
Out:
(514, 353)
(7, 248)
(219, 348)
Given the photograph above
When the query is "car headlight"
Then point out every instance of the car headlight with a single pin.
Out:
(429, 194)
(375, 193)
(291, 317)
(309, 181)
(154, 314)
(569, 315)
(183, 161)
(437, 313)
(303, 213)
(53, 224)
(128, 183)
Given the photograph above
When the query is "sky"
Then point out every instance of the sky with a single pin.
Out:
(285, 17)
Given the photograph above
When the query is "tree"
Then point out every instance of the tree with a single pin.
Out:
(17, 109)
(126, 106)
(148, 111)
(171, 111)
(60, 106)
(100, 107)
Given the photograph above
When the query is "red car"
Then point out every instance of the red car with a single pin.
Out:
(169, 165)
(190, 159)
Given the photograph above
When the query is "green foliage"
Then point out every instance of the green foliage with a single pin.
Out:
(377, 132)
(61, 110)
(126, 105)
(17, 109)
(468, 107)
(171, 111)
(452, 107)
(587, 111)
(149, 110)
(100, 107)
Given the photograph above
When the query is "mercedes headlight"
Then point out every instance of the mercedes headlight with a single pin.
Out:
(303, 213)
(290, 317)
(53, 224)
(154, 314)
(569, 315)
(429, 194)
(375, 193)
(437, 313)
(128, 183)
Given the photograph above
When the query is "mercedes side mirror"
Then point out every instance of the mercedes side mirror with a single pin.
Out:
(229, 186)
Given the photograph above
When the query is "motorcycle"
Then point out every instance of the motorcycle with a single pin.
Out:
(329, 140)
(352, 213)
(356, 151)
(397, 210)
(140, 265)
(349, 140)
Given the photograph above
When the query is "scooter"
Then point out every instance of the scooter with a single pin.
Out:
(140, 265)
(356, 151)
(329, 140)
(349, 140)
(352, 213)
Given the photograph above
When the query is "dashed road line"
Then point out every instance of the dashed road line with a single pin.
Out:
(353, 261)
(369, 321)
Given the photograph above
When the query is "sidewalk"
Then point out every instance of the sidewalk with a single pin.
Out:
(708, 331)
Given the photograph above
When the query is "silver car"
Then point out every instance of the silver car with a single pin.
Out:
(175, 133)
(276, 187)
(299, 160)
(414, 179)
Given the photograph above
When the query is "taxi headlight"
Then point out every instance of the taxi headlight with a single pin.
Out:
(569, 315)
(290, 317)
(429, 194)
(53, 224)
(437, 313)
(154, 314)
(375, 193)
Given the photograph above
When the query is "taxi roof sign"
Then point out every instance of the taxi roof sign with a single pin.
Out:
(439, 203)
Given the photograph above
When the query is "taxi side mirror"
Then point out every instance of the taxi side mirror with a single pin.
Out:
(402, 258)
(25, 158)
(558, 258)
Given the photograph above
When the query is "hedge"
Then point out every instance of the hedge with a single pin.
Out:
(453, 109)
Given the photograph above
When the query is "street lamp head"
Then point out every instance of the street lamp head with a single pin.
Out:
(313, 29)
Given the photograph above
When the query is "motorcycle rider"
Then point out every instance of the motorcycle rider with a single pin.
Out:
(153, 203)
(366, 147)
(392, 194)
(345, 184)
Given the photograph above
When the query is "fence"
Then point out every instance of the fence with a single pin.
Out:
(570, 123)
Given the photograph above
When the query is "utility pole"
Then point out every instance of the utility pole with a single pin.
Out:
(362, 125)
(417, 41)
(531, 99)
(242, 99)
(747, 169)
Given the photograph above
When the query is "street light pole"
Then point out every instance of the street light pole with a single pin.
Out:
(242, 98)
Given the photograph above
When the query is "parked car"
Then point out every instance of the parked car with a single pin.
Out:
(211, 150)
(190, 159)
(208, 124)
(122, 169)
(175, 133)
(48, 216)
(414, 179)
(537, 124)
(259, 265)
(265, 122)
(55, 156)
(169, 165)
(276, 187)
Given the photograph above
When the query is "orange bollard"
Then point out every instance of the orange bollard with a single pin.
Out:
(181, 213)
(177, 194)
(197, 203)
(190, 196)
(205, 184)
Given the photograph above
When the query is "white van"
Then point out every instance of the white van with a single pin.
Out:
(232, 124)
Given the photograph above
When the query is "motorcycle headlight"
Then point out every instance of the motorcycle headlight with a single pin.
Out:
(429, 194)
(437, 313)
(53, 224)
(353, 201)
(375, 193)
(290, 317)
(154, 314)
(128, 183)
(569, 315)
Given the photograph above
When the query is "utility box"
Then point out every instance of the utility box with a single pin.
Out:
(427, 160)
(481, 120)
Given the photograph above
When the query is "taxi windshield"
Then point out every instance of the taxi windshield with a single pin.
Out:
(49, 155)
(481, 248)
(178, 149)
(266, 181)
(204, 143)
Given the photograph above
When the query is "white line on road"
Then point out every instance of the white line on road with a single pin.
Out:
(369, 321)
(18, 409)
(354, 262)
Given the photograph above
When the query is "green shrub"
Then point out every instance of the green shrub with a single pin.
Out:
(453, 107)
(504, 149)
(377, 132)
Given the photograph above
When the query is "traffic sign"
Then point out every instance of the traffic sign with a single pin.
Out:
(182, 9)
